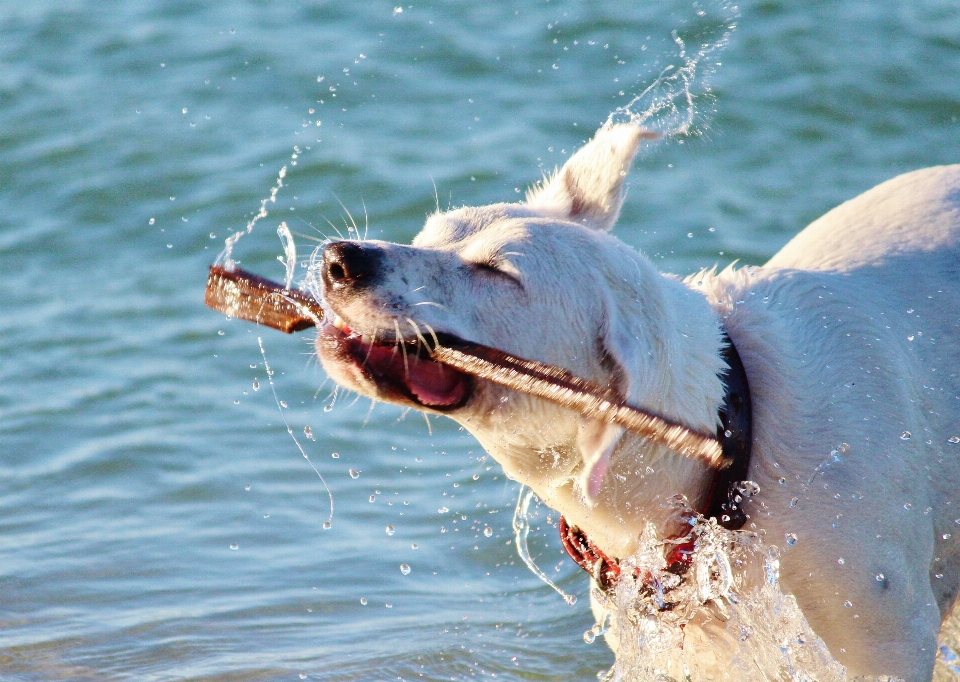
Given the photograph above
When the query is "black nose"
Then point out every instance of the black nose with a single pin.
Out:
(349, 264)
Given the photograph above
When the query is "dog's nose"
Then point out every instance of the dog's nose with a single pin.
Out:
(348, 264)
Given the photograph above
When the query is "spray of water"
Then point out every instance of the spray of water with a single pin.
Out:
(226, 256)
(678, 99)
(283, 415)
(723, 617)
(521, 530)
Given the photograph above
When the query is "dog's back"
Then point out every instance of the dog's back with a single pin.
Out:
(851, 338)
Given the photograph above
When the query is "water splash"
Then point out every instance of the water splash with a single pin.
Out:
(521, 529)
(680, 93)
(283, 415)
(289, 251)
(723, 617)
(226, 256)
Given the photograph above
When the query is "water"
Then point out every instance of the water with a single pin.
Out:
(723, 618)
(132, 132)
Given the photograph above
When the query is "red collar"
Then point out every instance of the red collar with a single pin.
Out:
(735, 434)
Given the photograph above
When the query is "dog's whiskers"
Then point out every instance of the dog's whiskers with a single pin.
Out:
(436, 341)
(366, 419)
(353, 223)
(403, 349)
(376, 331)
(416, 330)
(333, 227)
(437, 305)
(366, 220)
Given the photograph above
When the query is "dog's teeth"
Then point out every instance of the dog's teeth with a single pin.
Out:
(338, 322)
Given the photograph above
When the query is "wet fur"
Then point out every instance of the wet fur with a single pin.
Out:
(848, 335)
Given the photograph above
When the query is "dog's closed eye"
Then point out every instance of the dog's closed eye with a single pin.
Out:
(497, 268)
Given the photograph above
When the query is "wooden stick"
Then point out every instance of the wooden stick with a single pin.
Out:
(239, 294)
(563, 388)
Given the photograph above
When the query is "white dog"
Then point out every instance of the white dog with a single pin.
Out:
(849, 335)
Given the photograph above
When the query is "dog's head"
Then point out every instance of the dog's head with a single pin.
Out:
(542, 280)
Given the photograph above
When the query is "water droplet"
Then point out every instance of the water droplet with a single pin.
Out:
(905, 435)
(841, 561)
(487, 532)
(388, 605)
(880, 578)
(782, 481)
(308, 432)
(405, 569)
(589, 637)
(391, 530)
(283, 404)
(247, 486)
(442, 510)
(953, 439)
(414, 546)
(373, 498)
(354, 474)
(326, 525)
(476, 477)
(794, 502)
(946, 536)
(748, 488)
(169, 246)
(335, 455)
(847, 604)
(256, 385)
(266, 516)
(908, 506)
(363, 601)
(303, 676)
(938, 576)
(791, 539)
(234, 546)
(153, 221)
(327, 408)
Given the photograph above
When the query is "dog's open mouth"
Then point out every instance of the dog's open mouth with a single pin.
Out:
(399, 369)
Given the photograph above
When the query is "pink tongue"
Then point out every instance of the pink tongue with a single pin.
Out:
(433, 384)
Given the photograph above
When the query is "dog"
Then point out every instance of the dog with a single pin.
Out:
(849, 339)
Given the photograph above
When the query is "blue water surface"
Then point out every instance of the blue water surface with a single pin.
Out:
(156, 520)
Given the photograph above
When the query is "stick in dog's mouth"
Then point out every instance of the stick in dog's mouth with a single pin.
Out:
(240, 294)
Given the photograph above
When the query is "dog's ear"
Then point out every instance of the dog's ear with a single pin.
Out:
(596, 441)
(589, 187)
(627, 357)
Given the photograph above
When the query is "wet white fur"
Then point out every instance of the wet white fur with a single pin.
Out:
(848, 335)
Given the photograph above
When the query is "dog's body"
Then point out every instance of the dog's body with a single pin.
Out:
(850, 338)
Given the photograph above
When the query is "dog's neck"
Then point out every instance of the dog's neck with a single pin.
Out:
(685, 343)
